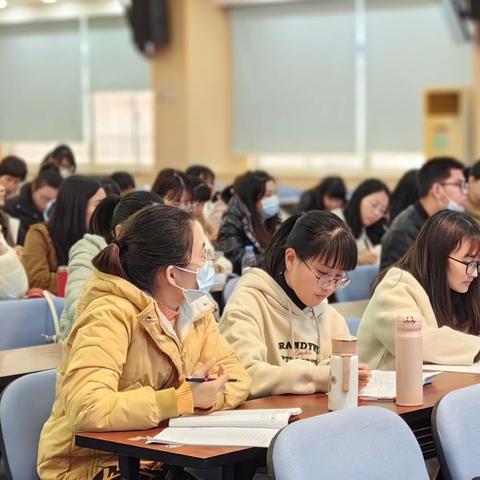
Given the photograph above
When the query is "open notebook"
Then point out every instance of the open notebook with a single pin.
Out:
(382, 384)
(475, 368)
(232, 428)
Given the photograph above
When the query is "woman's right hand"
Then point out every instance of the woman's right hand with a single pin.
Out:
(367, 257)
(206, 394)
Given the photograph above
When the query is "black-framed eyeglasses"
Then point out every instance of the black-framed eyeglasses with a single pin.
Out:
(471, 267)
(462, 185)
(324, 279)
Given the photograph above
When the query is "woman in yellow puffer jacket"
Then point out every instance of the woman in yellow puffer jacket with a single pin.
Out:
(142, 325)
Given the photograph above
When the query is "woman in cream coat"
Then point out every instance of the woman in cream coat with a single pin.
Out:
(278, 319)
(436, 281)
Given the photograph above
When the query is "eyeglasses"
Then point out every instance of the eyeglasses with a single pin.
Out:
(208, 256)
(324, 279)
(462, 185)
(472, 267)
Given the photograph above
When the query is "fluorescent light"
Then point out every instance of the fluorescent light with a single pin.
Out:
(49, 1)
(3, 4)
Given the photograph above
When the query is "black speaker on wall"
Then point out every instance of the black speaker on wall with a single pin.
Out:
(149, 22)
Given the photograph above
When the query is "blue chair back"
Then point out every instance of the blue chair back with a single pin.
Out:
(456, 432)
(367, 443)
(361, 283)
(25, 406)
(25, 323)
(229, 288)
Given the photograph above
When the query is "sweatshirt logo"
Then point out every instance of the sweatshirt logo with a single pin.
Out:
(300, 350)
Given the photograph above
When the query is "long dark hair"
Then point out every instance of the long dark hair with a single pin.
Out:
(68, 223)
(250, 188)
(427, 261)
(314, 234)
(331, 186)
(352, 210)
(114, 210)
(405, 193)
(151, 240)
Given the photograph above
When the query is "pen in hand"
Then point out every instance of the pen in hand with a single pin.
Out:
(197, 379)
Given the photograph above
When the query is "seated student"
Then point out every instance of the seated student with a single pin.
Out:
(47, 244)
(213, 207)
(366, 215)
(472, 205)
(278, 319)
(13, 171)
(63, 158)
(13, 279)
(173, 188)
(201, 194)
(251, 218)
(32, 201)
(329, 194)
(105, 224)
(142, 326)
(436, 281)
(6, 222)
(405, 193)
(441, 185)
(125, 182)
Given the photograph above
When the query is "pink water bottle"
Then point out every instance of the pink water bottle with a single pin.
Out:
(62, 278)
(409, 361)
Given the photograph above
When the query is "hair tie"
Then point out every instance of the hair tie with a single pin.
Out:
(118, 244)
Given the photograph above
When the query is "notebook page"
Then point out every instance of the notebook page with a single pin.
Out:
(382, 384)
(216, 436)
(261, 418)
(475, 368)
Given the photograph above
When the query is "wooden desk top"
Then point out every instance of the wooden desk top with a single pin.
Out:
(133, 443)
(21, 361)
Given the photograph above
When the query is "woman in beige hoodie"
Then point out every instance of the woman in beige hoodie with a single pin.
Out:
(436, 282)
(278, 318)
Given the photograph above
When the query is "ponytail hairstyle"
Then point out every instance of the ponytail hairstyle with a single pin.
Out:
(114, 210)
(151, 239)
(313, 234)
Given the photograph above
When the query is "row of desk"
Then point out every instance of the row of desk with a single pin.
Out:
(131, 447)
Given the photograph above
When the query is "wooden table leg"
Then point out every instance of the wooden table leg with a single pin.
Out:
(129, 467)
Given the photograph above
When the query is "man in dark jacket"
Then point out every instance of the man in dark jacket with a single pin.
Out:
(442, 186)
(32, 201)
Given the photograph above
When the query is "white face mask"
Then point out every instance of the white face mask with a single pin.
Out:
(454, 206)
(65, 172)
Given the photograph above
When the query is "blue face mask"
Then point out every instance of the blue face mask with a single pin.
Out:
(454, 206)
(270, 207)
(205, 277)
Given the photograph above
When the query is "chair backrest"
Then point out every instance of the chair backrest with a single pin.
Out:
(25, 323)
(25, 406)
(361, 283)
(366, 443)
(229, 288)
(456, 431)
